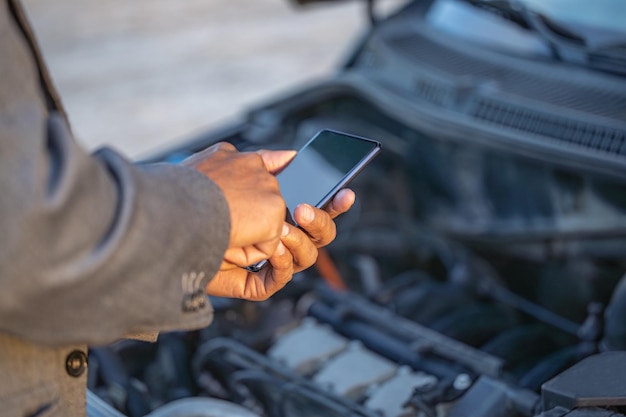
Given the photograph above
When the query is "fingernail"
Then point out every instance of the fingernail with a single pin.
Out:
(343, 193)
(285, 230)
(306, 214)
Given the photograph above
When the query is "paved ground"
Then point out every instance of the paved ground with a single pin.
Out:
(140, 74)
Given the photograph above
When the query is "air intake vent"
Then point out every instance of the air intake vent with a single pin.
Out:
(434, 92)
(535, 81)
(592, 136)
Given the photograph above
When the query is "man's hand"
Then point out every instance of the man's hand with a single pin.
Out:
(258, 227)
(296, 251)
(257, 210)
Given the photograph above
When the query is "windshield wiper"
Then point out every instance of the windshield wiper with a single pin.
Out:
(566, 45)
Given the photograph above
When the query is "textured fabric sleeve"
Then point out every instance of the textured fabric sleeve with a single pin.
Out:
(93, 247)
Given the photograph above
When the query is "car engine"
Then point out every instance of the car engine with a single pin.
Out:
(481, 271)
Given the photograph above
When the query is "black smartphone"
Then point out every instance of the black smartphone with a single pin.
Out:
(324, 165)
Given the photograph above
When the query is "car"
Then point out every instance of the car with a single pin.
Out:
(481, 272)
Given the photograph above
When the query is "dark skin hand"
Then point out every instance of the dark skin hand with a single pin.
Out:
(258, 229)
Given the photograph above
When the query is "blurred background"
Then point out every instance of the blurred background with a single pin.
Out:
(140, 75)
(491, 231)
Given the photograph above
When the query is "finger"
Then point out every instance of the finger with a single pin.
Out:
(240, 257)
(276, 161)
(224, 146)
(282, 259)
(317, 223)
(205, 153)
(342, 202)
(250, 255)
(303, 250)
(220, 146)
(281, 271)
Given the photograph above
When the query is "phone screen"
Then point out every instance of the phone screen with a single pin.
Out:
(323, 166)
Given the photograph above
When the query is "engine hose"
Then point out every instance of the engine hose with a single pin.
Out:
(296, 400)
(549, 367)
(509, 298)
(475, 324)
(114, 374)
(429, 301)
(524, 345)
(264, 387)
(248, 365)
(380, 342)
(408, 332)
(614, 323)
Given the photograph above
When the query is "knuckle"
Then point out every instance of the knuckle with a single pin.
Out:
(325, 226)
(307, 252)
(225, 146)
(285, 264)
(315, 256)
(273, 185)
(299, 238)
(331, 236)
(310, 258)
(328, 234)
(279, 205)
(254, 159)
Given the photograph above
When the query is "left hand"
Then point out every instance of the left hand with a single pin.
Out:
(296, 251)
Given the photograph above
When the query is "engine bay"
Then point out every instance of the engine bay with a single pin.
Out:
(480, 273)
(398, 319)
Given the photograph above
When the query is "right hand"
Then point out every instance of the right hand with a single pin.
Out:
(257, 209)
(296, 251)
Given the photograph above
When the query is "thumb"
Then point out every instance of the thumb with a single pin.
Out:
(276, 161)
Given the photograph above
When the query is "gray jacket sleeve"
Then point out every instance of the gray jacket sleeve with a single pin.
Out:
(93, 247)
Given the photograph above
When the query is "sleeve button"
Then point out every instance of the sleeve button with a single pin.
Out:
(76, 363)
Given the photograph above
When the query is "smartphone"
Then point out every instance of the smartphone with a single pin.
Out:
(324, 165)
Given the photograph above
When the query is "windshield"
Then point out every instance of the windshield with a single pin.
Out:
(604, 14)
